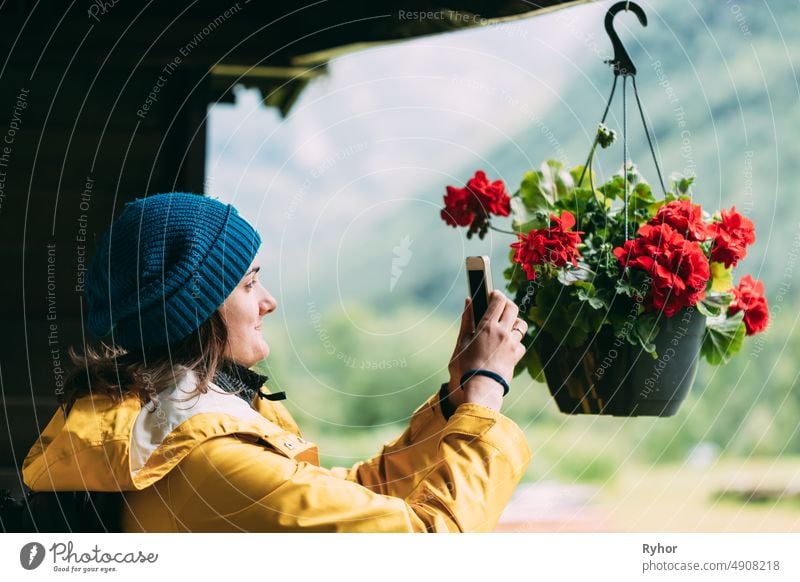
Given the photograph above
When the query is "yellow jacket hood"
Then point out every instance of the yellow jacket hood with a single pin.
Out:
(101, 446)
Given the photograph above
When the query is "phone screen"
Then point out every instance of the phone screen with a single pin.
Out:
(477, 286)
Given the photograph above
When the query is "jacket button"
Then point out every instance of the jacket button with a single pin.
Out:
(288, 444)
(300, 440)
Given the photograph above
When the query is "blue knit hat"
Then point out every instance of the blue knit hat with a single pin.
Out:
(163, 268)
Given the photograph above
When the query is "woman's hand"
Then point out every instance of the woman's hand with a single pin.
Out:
(495, 345)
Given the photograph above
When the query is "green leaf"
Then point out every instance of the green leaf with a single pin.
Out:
(645, 331)
(556, 181)
(581, 322)
(530, 362)
(575, 336)
(543, 306)
(581, 203)
(569, 275)
(519, 212)
(713, 305)
(721, 277)
(576, 175)
(532, 194)
(708, 308)
(554, 312)
(634, 177)
(681, 184)
(642, 193)
(640, 203)
(522, 216)
(537, 222)
(596, 303)
(612, 189)
(623, 287)
(586, 292)
(723, 339)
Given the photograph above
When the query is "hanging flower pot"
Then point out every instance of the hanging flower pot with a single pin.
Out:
(623, 293)
(608, 375)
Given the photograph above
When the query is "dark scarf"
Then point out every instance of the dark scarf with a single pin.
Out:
(243, 382)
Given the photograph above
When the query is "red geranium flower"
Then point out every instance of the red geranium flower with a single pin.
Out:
(686, 218)
(732, 235)
(472, 205)
(678, 267)
(555, 245)
(749, 297)
(457, 210)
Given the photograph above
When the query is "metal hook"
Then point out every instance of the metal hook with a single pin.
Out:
(622, 61)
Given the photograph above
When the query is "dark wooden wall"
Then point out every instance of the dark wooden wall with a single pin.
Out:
(80, 147)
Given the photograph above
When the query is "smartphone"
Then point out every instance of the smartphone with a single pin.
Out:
(479, 280)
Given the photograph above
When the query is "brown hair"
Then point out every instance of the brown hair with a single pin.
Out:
(116, 373)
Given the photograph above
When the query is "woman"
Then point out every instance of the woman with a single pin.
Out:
(169, 413)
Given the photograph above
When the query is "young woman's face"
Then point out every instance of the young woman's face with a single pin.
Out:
(242, 312)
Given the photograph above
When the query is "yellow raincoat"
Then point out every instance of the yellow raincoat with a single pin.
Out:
(213, 463)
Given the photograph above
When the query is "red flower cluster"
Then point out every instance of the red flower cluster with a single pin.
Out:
(471, 206)
(555, 245)
(678, 266)
(686, 218)
(732, 235)
(749, 297)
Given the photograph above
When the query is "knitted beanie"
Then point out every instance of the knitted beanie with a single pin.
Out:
(163, 268)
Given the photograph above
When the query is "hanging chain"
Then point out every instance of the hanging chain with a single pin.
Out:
(603, 120)
(588, 164)
(625, 153)
(647, 133)
(623, 66)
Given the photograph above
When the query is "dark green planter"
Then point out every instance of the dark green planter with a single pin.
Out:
(608, 375)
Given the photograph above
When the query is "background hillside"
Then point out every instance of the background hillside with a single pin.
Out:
(351, 185)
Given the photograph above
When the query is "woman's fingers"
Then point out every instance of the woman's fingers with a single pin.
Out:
(521, 325)
(510, 312)
(494, 309)
(501, 309)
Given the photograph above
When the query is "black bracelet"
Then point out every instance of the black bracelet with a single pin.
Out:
(481, 372)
